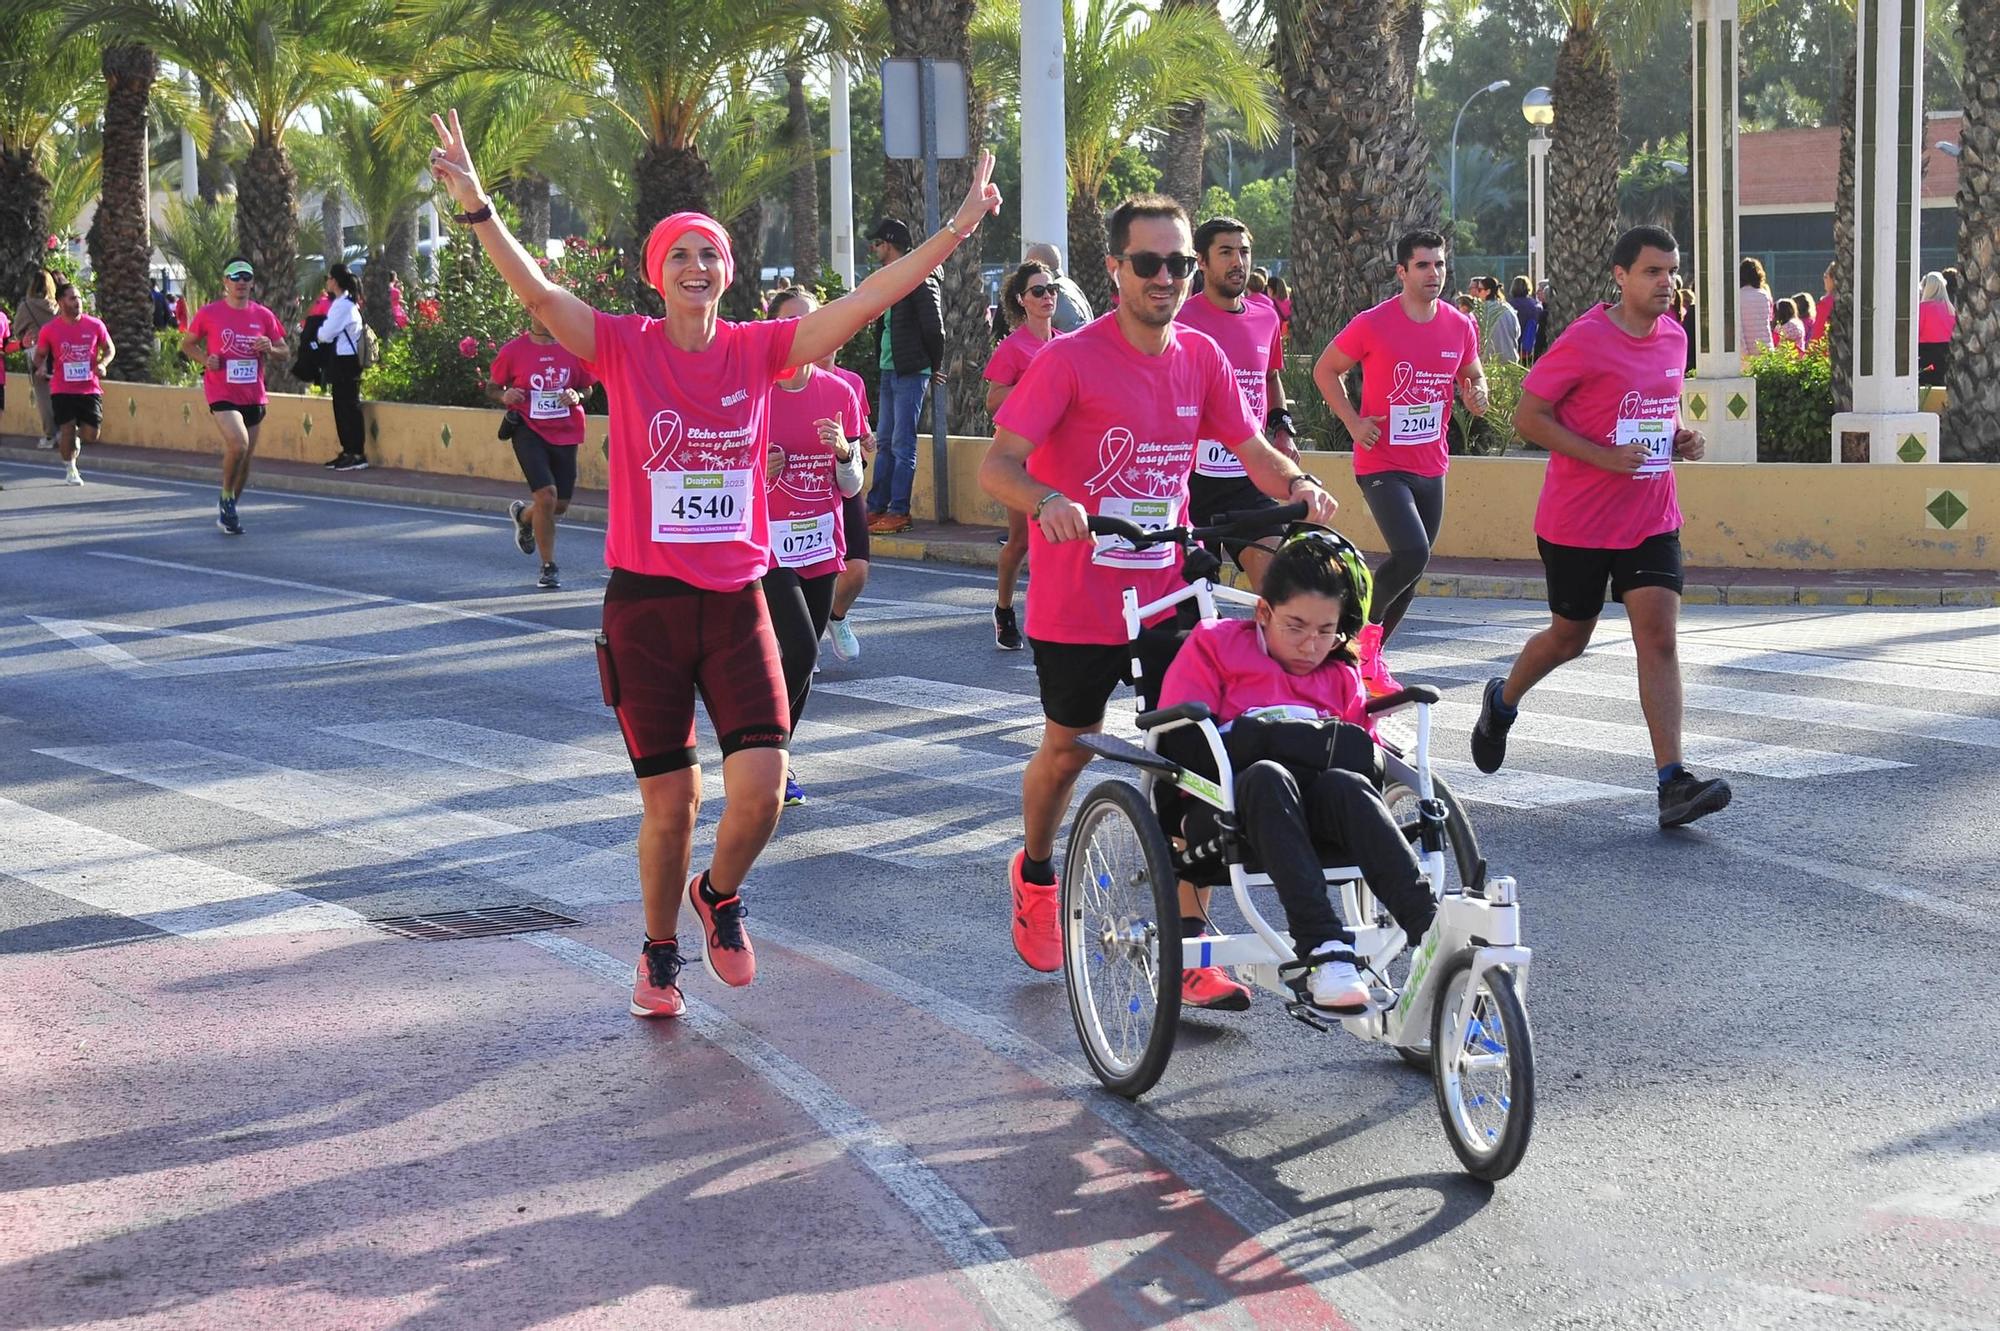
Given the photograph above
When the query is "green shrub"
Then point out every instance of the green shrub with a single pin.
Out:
(1493, 434)
(1794, 405)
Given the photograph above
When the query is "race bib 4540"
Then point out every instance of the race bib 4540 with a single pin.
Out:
(693, 507)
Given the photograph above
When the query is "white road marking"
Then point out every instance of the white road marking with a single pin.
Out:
(880, 611)
(182, 896)
(1872, 881)
(372, 816)
(1967, 1190)
(1300, 1245)
(1907, 722)
(1731, 755)
(1694, 651)
(1009, 1288)
(932, 695)
(88, 635)
(347, 595)
(1512, 788)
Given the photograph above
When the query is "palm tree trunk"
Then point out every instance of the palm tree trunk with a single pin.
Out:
(1974, 399)
(746, 238)
(942, 29)
(670, 179)
(529, 193)
(1186, 153)
(802, 196)
(332, 234)
(124, 223)
(1583, 174)
(1840, 324)
(392, 260)
(1088, 246)
(1361, 160)
(267, 227)
(24, 222)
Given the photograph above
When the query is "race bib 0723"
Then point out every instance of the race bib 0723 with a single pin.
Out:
(1212, 457)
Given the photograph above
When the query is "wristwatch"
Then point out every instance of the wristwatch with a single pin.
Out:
(1281, 419)
(1305, 476)
(481, 214)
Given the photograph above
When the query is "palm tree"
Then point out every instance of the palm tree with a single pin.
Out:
(383, 173)
(43, 72)
(200, 237)
(1583, 162)
(751, 160)
(1186, 147)
(1974, 400)
(802, 191)
(1127, 67)
(1362, 160)
(267, 60)
(124, 215)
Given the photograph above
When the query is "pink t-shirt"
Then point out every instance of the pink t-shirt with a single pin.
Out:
(1249, 339)
(5, 329)
(1611, 388)
(1114, 429)
(1408, 370)
(807, 535)
(860, 387)
(1935, 321)
(1223, 665)
(543, 370)
(687, 448)
(230, 334)
(1820, 316)
(72, 352)
(1011, 358)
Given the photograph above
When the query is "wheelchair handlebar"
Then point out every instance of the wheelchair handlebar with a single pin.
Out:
(1257, 522)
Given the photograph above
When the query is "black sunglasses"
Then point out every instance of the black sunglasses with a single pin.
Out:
(239, 277)
(1041, 290)
(1147, 264)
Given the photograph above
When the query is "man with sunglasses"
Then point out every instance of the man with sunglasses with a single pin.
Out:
(1247, 332)
(1106, 421)
(230, 339)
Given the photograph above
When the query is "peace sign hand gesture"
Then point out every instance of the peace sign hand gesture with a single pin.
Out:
(982, 198)
(451, 164)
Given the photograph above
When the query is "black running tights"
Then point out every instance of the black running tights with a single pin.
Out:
(799, 608)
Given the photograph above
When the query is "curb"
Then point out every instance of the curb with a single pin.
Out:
(986, 553)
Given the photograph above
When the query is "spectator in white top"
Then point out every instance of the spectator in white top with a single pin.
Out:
(1755, 309)
(340, 341)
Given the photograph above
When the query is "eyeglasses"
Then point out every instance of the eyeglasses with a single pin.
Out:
(238, 277)
(1146, 264)
(1041, 291)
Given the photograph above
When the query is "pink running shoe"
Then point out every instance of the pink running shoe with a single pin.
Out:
(656, 989)
(1374, 675)
(725, 947)
(1037, 931)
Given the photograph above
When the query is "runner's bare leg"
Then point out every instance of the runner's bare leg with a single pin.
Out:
(1655, 615)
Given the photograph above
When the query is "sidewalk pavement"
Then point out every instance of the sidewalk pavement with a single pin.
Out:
(953, 543)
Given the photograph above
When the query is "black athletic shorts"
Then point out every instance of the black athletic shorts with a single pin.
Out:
(251, 412)
(1577, 574)
(545, 464)
(670, 641)
(854, 525)
(77, 408)
(1210, 495)
(1078, 678)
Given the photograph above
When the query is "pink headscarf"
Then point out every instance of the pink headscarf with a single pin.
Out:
(672, 228)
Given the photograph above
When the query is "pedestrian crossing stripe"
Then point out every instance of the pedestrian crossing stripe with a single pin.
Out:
(90, 636)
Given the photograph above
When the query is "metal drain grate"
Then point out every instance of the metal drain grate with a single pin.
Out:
(485, 922)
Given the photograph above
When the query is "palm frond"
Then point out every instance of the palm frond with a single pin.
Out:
(200, 237)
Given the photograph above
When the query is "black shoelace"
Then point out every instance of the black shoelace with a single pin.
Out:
(728, 930)
(663, 965)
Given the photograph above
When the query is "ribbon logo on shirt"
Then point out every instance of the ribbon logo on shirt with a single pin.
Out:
(1404, 392)
(550, 379)
(1147, 478)
(237, 344)
(665, 436)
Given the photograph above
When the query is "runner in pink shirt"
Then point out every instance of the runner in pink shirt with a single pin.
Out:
(689, 538)
(1605, 402)
(1028, 301)
(71, 351)
(812, 466)
(1247, 327)
(1106, 421)
(231, 339)
(849, 582)
(541, 383)
(1414, 351)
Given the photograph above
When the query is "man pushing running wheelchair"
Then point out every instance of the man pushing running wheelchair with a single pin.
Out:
(1106, 422)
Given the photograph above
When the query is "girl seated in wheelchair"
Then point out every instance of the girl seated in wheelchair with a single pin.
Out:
(1285, 688)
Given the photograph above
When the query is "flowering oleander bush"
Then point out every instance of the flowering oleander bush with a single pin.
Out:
(1794, 404)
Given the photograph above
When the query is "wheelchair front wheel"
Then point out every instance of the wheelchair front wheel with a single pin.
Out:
(1122, 938)
(1483, 1067)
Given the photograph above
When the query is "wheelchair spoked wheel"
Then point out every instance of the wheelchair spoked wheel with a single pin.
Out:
(1484, 1068)
(1461, 865)
(1122, 938)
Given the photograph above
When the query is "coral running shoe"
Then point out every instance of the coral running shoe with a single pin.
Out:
(1210, 987)
(725, 948)
(1374, 675)
(1037, 936)
(656, 988)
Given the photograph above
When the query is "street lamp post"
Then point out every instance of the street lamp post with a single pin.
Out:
(1494, 86)
(1538, 108)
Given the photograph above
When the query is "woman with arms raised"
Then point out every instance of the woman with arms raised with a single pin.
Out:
(688, 541)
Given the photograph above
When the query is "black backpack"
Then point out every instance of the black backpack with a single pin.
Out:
(309, 366)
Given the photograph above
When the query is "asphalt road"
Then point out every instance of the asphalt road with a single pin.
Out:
(1767, 1078)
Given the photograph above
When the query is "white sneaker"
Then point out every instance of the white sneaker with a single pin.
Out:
(845, 645)
(1336, 986)
(72, 478)
(46, 445)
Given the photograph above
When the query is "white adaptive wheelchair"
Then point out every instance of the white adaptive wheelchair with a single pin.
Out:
(1455, 1007)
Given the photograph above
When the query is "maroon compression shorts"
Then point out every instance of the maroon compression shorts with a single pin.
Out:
(668, 641)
